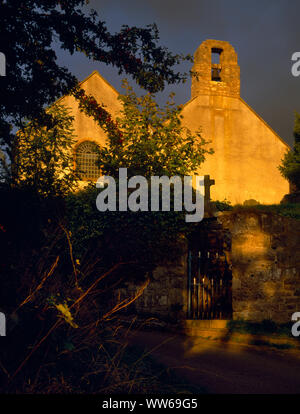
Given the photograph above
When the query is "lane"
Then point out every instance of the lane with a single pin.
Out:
(223, 367)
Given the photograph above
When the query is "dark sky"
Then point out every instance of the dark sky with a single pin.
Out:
(264, 33)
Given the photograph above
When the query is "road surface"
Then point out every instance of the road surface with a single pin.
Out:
(222, 367)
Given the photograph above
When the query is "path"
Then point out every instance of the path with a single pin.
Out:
(224, 367)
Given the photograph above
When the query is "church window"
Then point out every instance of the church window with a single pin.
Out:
(87, 155)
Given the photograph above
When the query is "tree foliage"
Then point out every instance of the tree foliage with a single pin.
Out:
(147, 140)
(35, 79)
(62, 259)
(45, 154)
(152, 140)
(290, 168)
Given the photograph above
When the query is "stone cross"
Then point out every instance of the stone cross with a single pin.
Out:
(207, 183)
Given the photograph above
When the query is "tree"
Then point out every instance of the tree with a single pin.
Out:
(290, 168)
(150, 140)
(35, 79)
(147, 140)
(45, 154)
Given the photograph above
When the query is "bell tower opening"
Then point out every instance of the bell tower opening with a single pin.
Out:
(215, 70)
(216, 67)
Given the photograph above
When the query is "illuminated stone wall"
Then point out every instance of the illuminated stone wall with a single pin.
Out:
(85, 127)
(265, 259)
(264, 256)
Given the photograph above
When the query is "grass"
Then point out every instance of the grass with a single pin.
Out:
(266, 327)
(291, 210)
(156, 378)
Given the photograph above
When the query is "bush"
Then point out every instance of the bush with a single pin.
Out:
(223, 205)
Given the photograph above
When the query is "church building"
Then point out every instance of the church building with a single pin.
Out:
(247, 152)
(235, 266)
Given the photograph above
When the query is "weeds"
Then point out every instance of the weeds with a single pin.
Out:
(266, 327)
(291, 210)
(65, 334)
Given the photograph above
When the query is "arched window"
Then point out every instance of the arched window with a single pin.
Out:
(87, 155)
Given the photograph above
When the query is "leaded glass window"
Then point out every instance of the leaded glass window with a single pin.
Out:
(87, 155)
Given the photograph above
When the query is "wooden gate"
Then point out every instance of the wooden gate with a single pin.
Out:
(209, 285)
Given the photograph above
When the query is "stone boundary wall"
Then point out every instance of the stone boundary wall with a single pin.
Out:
(166, 295)
(264, 257)
(265, 260)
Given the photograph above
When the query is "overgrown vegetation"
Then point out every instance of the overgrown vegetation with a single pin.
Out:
(265, 327)
(63, 260)
(290, 168)
(64, 331)
(35, 79)
(291, 210)
(43, 159)
(223, 205)
(264, 333)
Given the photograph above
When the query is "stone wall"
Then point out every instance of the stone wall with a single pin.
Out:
(202, 83)
(264, 256)
(265, 260)
(166, 294)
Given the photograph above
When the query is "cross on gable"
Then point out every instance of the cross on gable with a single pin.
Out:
(207, 184)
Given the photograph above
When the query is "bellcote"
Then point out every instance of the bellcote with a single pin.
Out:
(215, 70)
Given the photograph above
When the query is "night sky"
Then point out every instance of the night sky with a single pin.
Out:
(264, 33)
